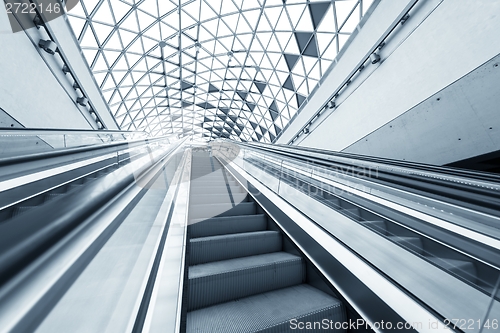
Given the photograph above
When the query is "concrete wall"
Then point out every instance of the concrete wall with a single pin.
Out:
(446, 50)
(33, 89)
(70, 49)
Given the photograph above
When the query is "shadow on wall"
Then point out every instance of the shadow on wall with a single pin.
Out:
(487, 163)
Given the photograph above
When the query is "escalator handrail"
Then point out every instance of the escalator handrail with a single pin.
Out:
(60, 216)
(32, 293)
(60, 131)
(431, 185)
(70, 151)
(451, 171)
(462, 239)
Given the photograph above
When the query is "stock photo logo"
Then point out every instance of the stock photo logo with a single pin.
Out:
(26, 14)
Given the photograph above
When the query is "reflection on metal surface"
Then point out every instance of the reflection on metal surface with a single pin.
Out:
(26, 298)
(164, 310)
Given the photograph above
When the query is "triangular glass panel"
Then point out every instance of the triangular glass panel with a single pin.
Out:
(186, 85)
(300, 99)
(318, 11)
(291, 60)
(242, 94)
(261, 86)
(289, 83)
(303, 39)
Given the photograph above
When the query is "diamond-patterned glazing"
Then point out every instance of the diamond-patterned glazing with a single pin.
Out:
(236, 69)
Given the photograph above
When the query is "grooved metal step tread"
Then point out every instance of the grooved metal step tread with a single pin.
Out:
(208, 182)
(462, 268)
(227, 280)
(230, 265)
(215, 189)
(220, 184)
(268, 312)
(222, 247)
(207, 176)
(413, 243)
(227, 225)
(197, 198)
(221, 209)
(211, 175)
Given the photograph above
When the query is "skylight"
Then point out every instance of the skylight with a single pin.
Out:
(236, 69)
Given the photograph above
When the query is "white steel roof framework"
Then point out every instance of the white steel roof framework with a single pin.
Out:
(236, 69)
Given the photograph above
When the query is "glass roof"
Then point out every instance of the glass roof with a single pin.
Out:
(237, 69)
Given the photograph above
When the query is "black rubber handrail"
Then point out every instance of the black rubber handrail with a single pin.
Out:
(478, 198)
(296, 152)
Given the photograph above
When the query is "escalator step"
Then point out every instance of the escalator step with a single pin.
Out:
(462, 268)
(197, 199)
(206, 181)
(227, 225)
(222, 247)
(413, 243)
(73, 186)
(269, 312)
(375, 225)
(220, 188)
(352, 213)
(335, 202)
(213, 175)
(51, 196)
(220, 183)
(89, 178)
(20, 210)
(228, 280)
(221, 209)
(203, 177)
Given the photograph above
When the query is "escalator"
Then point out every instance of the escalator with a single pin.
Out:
(201, 243)
(241, 278)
